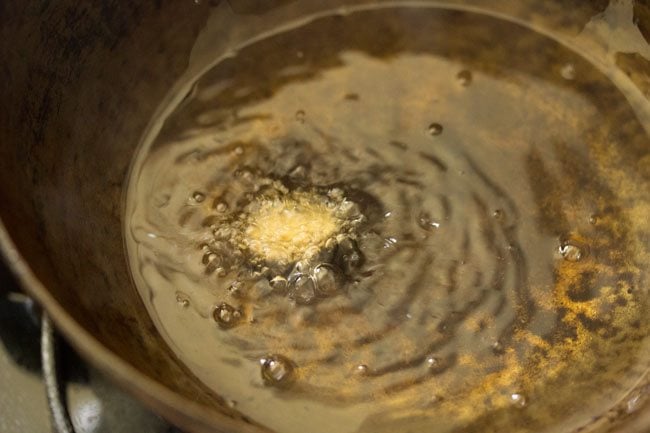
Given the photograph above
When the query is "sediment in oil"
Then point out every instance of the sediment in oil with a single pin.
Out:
(464, 245)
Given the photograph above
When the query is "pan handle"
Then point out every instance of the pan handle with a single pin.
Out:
(61, 422)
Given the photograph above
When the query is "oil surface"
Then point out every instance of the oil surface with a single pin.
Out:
(402, 219)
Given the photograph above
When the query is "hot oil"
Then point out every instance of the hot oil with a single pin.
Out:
(401, 219)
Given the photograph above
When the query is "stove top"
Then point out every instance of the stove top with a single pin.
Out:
(77, 398)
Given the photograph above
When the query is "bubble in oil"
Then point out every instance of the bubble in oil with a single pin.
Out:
(222, 233)
(426, 222)
(434, 129)
(348, 257)
(235, 289)
(347, 209)
(571, 252)
(300, 116)
(432, 362)
(325, 278)
(198, 197)
(226, 315)
(335, 194)
(498, 348)
(221, 207)
(303, 289)
(568, 71)
(277, 370)
(361, 370)
(182, 300)
(518, 400)
(209, 257)
(212, 264)
(464, 77)
(301, 267)
(278, 283)
(300, 172)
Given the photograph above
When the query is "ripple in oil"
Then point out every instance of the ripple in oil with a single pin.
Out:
(399, 229)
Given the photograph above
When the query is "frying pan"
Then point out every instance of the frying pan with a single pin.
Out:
(80, 82)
